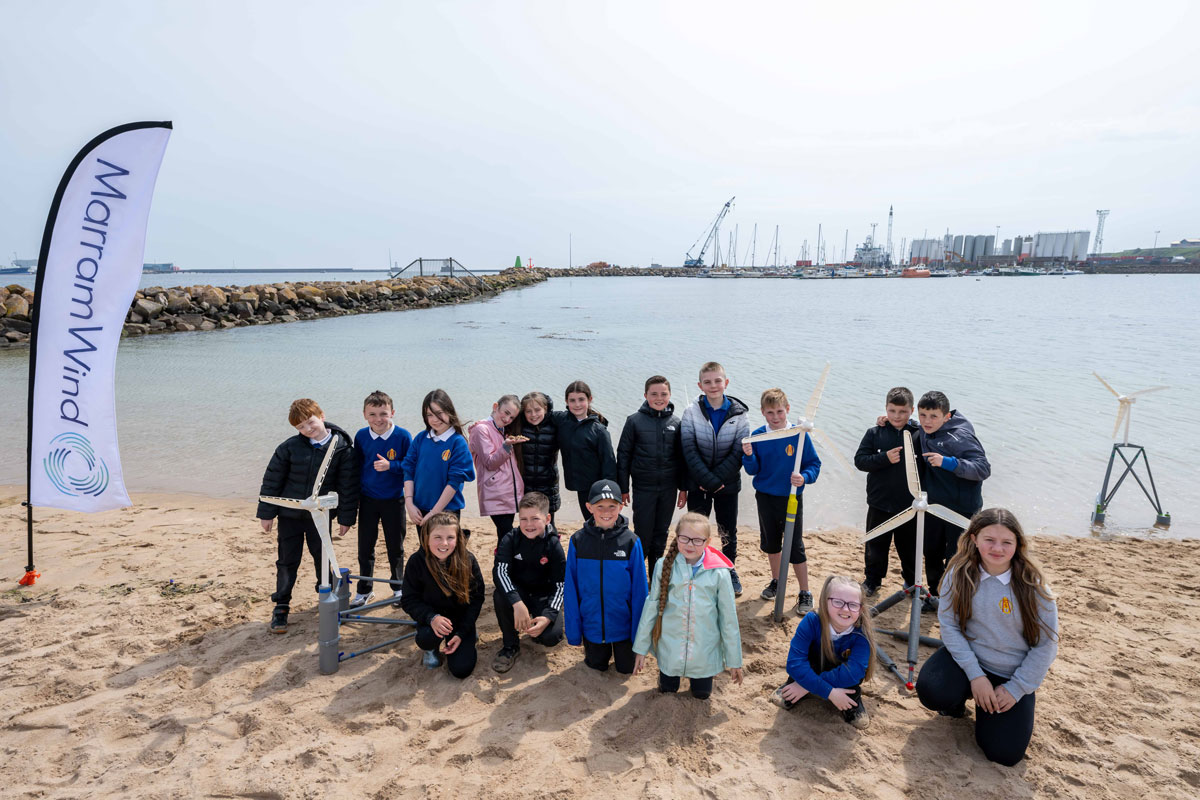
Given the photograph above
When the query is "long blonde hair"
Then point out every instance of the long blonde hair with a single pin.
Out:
(688, 520)
(1027, 583)
(864, 622)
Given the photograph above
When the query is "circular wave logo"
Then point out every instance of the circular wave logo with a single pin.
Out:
(73, 467)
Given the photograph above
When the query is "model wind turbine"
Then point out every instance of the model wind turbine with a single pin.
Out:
(917, 592)
(1125, 414)
(803, 425)
(319, 505)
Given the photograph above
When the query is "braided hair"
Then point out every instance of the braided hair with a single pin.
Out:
(667, 563)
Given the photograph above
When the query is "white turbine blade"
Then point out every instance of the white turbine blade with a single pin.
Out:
(828, 444)
(782, 433)
(1141, 392)
(810, 410)
(324, 466)
(1120, 418)
(910, 466)
(891, 524)
(321, 520)
(953, 517)
(1106, 386)
(283, 501)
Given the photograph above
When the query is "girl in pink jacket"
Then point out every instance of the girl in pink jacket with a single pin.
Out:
(497, 477)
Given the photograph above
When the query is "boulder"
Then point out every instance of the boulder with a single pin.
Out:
(242, 309)
(213, 296)
(147, 309)
(18, 325)
(288, 295)
(134, 329)
(182, 326)
(177, 302)
(207, 325)
(310, 294)
(193, 320)
(15, 336)
(16, 306)
(134, 317)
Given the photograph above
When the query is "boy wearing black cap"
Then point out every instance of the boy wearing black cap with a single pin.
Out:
(605, 583)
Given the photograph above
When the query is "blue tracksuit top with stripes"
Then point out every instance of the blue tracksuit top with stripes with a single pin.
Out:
(432, 466)
(773, 462)
(389, 484)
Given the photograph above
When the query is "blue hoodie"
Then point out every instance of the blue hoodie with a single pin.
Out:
(958, 483)
(605, 584)
(772, 464)
(432, 466)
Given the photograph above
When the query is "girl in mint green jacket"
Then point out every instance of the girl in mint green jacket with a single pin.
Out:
(692, 629)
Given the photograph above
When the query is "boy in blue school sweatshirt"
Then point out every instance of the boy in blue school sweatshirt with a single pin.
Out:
(773, 465)
(380, 447)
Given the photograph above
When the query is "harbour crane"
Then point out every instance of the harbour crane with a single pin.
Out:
(712, 233)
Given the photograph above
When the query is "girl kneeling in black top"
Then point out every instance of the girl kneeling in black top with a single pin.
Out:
(443, 593)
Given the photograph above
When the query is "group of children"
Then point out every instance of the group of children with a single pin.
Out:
(596, 592)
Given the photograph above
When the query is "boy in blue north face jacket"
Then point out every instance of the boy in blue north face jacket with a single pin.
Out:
(605, 583)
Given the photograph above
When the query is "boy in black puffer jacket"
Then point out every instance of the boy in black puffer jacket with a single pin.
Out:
(650, 452)
(291, 473)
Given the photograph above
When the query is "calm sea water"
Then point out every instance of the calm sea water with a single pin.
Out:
(201, 412)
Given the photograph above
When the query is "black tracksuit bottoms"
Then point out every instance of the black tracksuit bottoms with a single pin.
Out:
(652, 512)
(702, 502)
(462, 661)
(536, 605)
(941, 541)
(943, 686)
(292, 533)
(876, 551)
(371, 514)
(596, 655)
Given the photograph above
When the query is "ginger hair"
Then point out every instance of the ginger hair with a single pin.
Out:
(302, 409)
(690, 521)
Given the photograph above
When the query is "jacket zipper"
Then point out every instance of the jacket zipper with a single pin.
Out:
(603, 628)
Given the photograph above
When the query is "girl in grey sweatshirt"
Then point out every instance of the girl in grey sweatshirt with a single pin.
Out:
(999, 626)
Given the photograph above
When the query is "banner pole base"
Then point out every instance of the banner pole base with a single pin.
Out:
(29, 578)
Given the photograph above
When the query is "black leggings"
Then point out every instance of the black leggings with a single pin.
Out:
(652, 512)
(943, 686)
(583, 509)
(701, 688)
(461, 662)
(371, 514)
(596, 655)
(875, 553)
(503, 523)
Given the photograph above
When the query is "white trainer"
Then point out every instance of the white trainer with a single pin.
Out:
(361, 599)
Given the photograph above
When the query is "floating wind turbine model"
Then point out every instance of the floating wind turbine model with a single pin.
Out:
(803, 425)
(1124, 414)
(319, 505)
(917, 592)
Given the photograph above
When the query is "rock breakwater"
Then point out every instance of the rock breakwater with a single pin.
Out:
(206, 308)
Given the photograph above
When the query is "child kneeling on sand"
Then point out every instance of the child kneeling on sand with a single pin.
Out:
(693, 626)
(605, 583)
(999, 625)
(832, 652)
(529, 573)
(291, 473)
(443, 593)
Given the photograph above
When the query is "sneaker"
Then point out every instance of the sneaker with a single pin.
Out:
(858, 716)
(804, 604)
(769, 592)
(737, 583)
(929, 605)
(776, 699)
(361, 599)
(278, 620)
(396, 598)
(505, 659)
(870, 590)
(433, 659)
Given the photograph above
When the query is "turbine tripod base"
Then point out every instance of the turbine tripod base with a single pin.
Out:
(1163, 519)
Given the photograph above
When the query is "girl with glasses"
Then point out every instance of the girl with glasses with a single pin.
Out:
(693, 628)
(832, 652)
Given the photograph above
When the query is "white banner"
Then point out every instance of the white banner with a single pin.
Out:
(90, 266)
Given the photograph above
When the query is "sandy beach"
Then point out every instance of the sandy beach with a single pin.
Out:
(120, 683)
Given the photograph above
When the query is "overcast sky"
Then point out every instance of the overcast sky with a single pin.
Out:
(323, 134)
